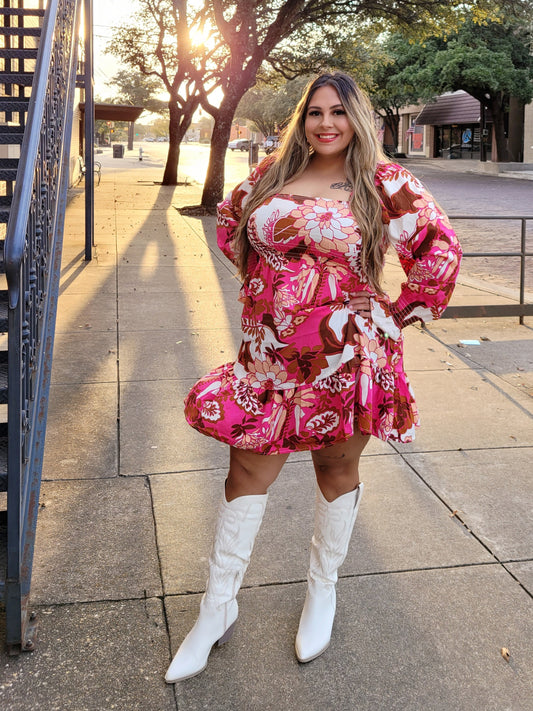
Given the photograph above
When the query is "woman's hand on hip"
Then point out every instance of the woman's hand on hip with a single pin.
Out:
(360, 304)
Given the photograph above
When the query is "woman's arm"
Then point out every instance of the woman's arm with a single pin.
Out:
(229, 211)
(428, 249)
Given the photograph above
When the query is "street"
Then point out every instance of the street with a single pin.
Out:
(458, 191)
(192, 166)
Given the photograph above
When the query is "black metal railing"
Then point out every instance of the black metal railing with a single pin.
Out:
(521, 308)
(32, 260)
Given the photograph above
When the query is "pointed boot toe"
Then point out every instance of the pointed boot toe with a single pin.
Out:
(316, 624)
(191, 658)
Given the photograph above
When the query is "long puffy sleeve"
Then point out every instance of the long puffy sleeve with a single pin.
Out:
(428, 249)
(229, 211)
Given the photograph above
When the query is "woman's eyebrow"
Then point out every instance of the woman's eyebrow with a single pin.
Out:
(335, 106)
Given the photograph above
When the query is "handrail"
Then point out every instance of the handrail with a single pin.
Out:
(521, 309)
(32, 258)
(15, 243)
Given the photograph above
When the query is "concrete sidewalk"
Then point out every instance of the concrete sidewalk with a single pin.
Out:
(439, 576)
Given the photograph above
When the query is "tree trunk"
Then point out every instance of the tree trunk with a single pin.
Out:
(170, 176)
(214, 182)
(179, 122)
(393, 121)
(497, 108)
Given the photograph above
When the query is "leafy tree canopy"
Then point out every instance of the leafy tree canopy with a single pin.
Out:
(491, 61)
(136, 89)
(487, 59)
(270, 107)
(195, 46)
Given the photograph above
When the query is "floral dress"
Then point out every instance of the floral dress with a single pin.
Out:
(309, 372)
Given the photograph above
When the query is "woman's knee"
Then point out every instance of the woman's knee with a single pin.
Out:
(337, 467)
(251, 473)
(340, 458)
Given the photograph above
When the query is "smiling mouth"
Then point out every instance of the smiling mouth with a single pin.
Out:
(326, 136)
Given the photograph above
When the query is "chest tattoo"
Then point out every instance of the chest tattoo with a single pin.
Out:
(341, 186)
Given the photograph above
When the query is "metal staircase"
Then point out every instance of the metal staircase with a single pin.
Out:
(38, 63)
(14, 55)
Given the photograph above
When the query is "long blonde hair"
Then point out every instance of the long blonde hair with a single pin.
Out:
(362, 156)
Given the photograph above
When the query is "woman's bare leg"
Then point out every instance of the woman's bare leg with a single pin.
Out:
(251, 474)
(337, 467)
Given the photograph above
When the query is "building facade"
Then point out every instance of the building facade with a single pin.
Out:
(455, 126)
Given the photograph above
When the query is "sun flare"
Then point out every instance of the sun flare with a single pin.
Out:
(201, 35)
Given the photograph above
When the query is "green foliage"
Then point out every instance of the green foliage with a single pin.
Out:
(488, 59)
(491, 61)
(137, 89)
(429, 18)
(481, 59)
(269, 108)
(310, 50)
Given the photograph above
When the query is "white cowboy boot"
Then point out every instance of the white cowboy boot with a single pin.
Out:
(334, 522)
(237, 526)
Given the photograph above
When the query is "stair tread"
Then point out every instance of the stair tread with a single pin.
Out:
(21, 78)
(18, 53)
(3, 383)
(3, 387)
(11, 139)
(4, 128)
(25, 31)
(30, 11)
(3, 463)
(15, 105)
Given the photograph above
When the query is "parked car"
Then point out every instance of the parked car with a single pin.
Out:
(271, 143)
(240, 144)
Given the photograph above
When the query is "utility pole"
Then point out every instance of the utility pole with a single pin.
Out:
(89, 130)
(482, 136)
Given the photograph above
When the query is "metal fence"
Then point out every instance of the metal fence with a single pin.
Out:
(519, 309)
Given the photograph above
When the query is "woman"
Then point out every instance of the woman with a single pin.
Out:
(320, 365)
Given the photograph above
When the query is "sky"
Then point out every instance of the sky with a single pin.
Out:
(107, 13)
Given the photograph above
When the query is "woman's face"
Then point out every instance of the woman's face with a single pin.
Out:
(327, 128)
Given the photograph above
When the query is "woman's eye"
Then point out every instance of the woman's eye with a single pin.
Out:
(313, 112)
(339, 112)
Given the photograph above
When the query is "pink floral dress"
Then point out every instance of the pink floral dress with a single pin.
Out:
(310, 372)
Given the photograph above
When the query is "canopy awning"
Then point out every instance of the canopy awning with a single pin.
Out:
(115, 112)
(456, 108)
